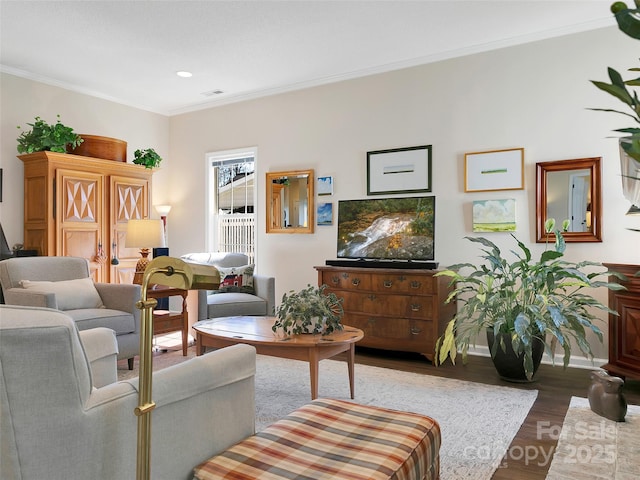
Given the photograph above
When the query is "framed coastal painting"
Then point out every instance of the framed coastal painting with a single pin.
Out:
(494, 170)
(494, 215)
(324, 214)
(399, 170)
(325, 186)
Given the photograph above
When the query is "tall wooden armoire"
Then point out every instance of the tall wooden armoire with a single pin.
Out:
(79, 206)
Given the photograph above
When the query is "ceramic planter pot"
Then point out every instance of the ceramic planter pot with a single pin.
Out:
(315, 322)
(629, 168)
(509, 365)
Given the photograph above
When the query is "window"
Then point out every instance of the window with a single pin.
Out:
(230, 208)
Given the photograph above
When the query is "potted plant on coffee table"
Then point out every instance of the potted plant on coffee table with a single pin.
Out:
(527, 306)
(311, 310)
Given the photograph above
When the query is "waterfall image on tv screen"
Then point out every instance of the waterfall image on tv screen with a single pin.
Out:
(387, 228)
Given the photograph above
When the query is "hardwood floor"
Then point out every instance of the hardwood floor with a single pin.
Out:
(532, 449)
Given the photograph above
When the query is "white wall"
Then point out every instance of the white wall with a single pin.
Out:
(533, 96)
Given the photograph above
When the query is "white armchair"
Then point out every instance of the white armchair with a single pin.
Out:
(64, 283)
(55, 425)
(213, 304)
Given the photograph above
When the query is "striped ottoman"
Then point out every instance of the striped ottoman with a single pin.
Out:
(334, 439)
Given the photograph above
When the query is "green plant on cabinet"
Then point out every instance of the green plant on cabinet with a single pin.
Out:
(147, 157)
(44, 137)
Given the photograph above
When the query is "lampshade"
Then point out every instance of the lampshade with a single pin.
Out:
(163, 210)
(144, 234)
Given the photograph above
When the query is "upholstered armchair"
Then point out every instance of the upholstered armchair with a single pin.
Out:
(64, 283)
(54, 424)
(234, 297)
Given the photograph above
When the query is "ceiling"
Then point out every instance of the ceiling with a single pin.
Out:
(129, 51)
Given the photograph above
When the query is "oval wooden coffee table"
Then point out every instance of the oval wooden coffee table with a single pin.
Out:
(256, 331)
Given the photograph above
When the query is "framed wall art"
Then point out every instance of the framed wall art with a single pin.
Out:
(325, 214)
(494, 215)
(400, 170)
(325, 186)
(494, 170)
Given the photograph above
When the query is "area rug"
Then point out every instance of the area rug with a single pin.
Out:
(591, 447)
(478, 421)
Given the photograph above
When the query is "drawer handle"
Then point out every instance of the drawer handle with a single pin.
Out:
(335, 280)
(355, 282)
(345, 275)
(415, 330)
(371, 297)
(416, 284)
(387, 283)
(416, 307)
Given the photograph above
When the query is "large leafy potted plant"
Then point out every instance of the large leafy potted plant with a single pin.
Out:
(522, 303)
(311, 310)
(45, 137)
(629, 22)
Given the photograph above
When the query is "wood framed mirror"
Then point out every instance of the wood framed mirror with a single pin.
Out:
(290, 202)
(570, 189)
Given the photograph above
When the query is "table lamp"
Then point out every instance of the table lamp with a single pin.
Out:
(144, 234)
(175, 273)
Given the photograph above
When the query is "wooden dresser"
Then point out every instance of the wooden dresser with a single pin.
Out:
(624, 329)
(79, 206)
(398, 309)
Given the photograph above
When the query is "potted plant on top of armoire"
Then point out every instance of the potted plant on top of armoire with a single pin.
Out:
(44, 137)
(527, 306)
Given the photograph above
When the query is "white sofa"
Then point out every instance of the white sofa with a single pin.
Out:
(54, 424)
(213, 304)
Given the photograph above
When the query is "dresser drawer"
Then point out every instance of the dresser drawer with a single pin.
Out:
(165, 321)
(398, 283)
(392, 333)
(347, 280)
(410, 306)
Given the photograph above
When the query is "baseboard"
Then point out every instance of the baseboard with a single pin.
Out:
(575, 362)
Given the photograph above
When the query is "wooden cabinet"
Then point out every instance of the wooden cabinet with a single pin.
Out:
(624, 328)
(398, 309)
(79, 206)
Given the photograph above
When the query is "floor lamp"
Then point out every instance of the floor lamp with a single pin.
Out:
(171, 272)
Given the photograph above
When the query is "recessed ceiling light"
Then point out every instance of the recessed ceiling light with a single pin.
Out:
(184, 74)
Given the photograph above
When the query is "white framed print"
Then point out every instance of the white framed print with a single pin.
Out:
(325, 186)
(494, 170)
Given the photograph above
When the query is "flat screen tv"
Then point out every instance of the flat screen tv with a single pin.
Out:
(387, 228)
